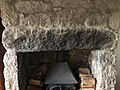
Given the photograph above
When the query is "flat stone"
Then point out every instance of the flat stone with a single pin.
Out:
(38, 39)
(36, 20)
(11, 70)
(8, 14)
(107, 5)
(87, 4)
(58, 13)
(96, 20)
(61, 19)
(31, 7)
(103, 69)
(114, 21)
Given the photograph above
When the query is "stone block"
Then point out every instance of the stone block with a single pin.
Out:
(73, 3)
(31, 7)
(96, 20)
(114, 21)
(9, 15)
(107, 5)
(36, 20)
(31, 39)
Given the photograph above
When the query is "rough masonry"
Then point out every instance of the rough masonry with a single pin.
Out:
(41, 25)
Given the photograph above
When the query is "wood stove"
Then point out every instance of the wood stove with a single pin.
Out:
(60, 77)
(51, 69)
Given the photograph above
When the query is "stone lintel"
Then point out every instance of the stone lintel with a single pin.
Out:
(60, 39)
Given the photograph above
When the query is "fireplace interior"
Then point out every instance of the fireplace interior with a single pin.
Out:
(60, 76)
(46, 70)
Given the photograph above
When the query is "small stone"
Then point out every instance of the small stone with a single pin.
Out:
(31, 7)
(114, 21)
(87, 4)
(96, 20)
(107, 5)
(36, 20)
(30, 20)
(9, 15)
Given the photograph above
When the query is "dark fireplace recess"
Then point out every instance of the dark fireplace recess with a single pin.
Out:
(51, 70)
(60, 77)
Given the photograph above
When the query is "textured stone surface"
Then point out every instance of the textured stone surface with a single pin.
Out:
(8, 12)
(31, 7)
(40, 25)
(58, 13)
(77, 58)
(97, 20)
(58, 24)
(11, 70)
(114, 21)
(107, 5)
(43, 40)
(103, 69)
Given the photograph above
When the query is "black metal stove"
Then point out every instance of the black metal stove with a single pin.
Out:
(60, 76)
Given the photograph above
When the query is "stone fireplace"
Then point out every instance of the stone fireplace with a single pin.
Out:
(36, 29)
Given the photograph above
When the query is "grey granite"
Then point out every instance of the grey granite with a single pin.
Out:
(44, 40)
(41, 25)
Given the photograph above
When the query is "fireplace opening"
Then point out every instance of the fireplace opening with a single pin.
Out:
(34, 68)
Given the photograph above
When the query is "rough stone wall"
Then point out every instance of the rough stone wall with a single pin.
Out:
(11, 70)
(57, 24)
(41, 25)
(60, 14)
(103, 68)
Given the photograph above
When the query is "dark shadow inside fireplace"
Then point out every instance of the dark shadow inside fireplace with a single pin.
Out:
(33, 66)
